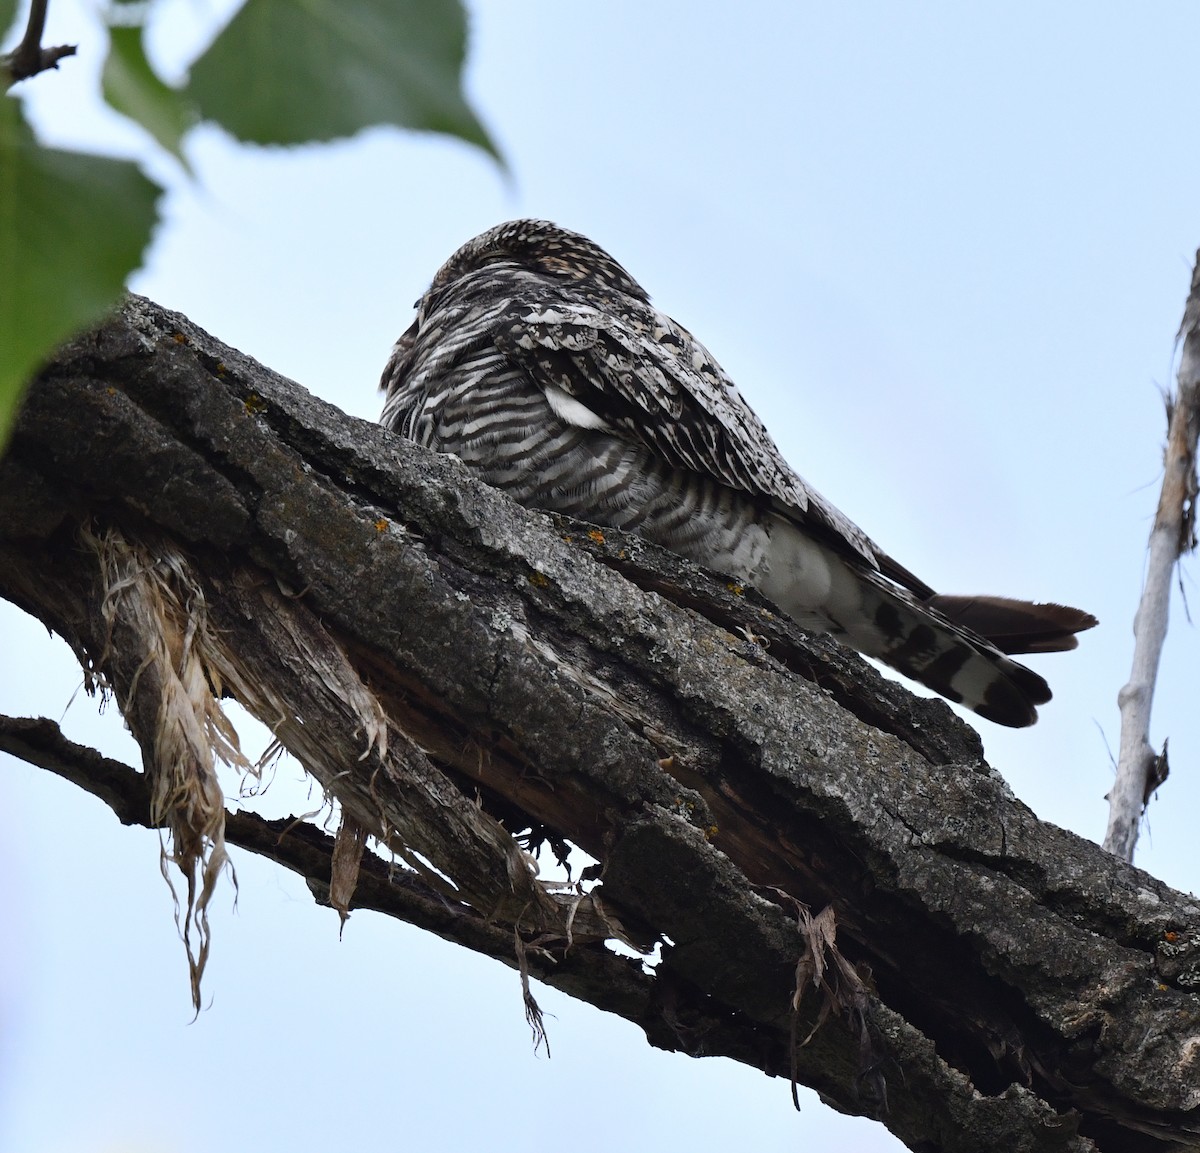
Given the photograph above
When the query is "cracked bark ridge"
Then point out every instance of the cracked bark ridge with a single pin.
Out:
(1029, 991)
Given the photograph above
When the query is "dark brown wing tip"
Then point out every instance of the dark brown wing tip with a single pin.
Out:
(1076, 619)
(1020, 717)
(1073, 621)
(1012, 697)
(1015, 626)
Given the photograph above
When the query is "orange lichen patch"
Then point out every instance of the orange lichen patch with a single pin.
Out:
(381, 524)
(596, 536)
(1171, 936)
(710, 832)
(735, 588)
(179, 338)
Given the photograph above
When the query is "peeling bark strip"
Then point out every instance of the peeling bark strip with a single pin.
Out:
(154, 610)
(454, 669)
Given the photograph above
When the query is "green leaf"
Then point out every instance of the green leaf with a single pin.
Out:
(72, 228)
(288, 71)
(133, 88)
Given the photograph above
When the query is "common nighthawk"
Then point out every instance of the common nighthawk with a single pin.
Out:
(540, 362)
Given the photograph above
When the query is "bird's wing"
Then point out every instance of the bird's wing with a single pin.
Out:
(638, 372)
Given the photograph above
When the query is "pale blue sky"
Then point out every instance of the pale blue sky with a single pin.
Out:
(943, 251)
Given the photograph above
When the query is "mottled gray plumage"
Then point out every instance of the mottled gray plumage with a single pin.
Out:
(540, 362)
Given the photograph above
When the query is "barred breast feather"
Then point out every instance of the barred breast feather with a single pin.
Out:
(540, 362)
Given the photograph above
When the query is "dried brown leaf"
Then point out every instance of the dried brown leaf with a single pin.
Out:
(348, 847)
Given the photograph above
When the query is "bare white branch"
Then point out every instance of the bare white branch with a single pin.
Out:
(1139, 769)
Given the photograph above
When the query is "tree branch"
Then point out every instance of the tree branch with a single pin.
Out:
(1139, 769)
(29, 57)
(600, 977)
(454, 670)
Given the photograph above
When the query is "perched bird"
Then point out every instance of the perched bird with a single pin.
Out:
(540, 362)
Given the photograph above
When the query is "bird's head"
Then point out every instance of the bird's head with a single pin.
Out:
(538, 247)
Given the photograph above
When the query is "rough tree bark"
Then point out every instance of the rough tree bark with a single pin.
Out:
(454, 669)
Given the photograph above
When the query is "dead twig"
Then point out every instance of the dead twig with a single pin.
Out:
(1139, 768)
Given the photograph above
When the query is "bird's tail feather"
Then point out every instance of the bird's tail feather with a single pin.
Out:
(957, 646)
(918, 640)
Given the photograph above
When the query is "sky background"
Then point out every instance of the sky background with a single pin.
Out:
(942, 249)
